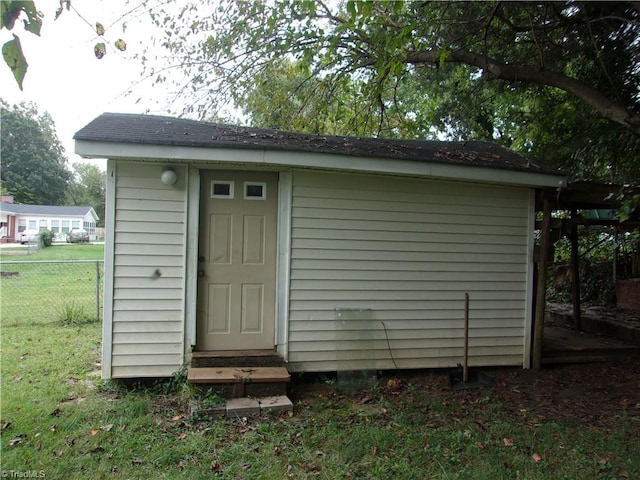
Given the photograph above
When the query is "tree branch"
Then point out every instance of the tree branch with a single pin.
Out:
(608, 108)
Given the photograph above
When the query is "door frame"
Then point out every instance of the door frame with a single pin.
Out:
(283, 256)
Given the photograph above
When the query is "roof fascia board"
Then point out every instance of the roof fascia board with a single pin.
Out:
(92, 149)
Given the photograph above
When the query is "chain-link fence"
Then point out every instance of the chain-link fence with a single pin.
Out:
(41, 292)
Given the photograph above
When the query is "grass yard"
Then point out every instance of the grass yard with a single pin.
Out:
(60, 419)
(45, 292)
(76, 251)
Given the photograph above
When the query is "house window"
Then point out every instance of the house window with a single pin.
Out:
(32, 224)
(65, 226)
(22, 225)
(55, 226)
(43, 224)
(255, 191)
(222, 189)
(75, 224)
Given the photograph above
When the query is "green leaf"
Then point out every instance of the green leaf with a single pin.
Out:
(14, 58)
(100, 50)
(99, 29)
(351, 8)
(9, 13)
(33, 23)
(11, 10)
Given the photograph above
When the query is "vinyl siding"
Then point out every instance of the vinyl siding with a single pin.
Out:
(401, 253)
(149, 237)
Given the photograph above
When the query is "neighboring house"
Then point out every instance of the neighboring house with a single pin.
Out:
(339, 253)
(16, 218)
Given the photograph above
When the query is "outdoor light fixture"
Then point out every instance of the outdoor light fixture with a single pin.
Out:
(169, 176)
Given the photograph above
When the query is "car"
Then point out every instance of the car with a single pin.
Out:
(78, 236)
(28, 236)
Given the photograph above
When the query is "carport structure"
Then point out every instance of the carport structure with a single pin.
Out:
(563, 212)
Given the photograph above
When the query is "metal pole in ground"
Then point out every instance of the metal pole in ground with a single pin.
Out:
(465, 366)
(97, 290)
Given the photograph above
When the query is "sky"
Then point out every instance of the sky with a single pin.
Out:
(65, 78)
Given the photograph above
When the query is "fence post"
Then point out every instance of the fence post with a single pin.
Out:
(97, 290)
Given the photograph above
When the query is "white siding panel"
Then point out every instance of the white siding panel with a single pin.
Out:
(155, 217)
(136, 370)
(144, 361)
(405, 251)
(148, 292)
(146, 326)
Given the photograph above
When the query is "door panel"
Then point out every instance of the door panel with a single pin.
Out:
(237, 260)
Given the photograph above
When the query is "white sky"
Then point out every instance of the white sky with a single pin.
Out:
(65, 78)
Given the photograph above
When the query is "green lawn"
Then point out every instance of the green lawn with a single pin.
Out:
(34, 292)
(59, 418)
(55, 252)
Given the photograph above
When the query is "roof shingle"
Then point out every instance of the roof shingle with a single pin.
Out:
(160, 130)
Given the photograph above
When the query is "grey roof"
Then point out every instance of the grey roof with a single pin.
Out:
(54, 210)
(159, 130)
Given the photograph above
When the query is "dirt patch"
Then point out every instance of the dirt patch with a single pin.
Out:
(598, 394)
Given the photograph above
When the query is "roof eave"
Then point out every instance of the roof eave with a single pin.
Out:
(296, 159)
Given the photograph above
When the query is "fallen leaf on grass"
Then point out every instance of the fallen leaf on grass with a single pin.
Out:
(216, 467)
(479, 445)
(4, 426)
(175, 418)
(136, 461)
(55, 413)
(15, 441)
(374, 451)
(93, 431)
(536, 458)
(106, 428)
(182, 436)
(507, 442)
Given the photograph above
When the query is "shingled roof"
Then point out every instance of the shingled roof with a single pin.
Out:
(55, 210)
(160, 130)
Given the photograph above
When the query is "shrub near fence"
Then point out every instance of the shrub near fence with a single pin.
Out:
(67, 291)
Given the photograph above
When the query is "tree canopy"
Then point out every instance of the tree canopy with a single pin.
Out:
(87, 188)
(558, 80)
(34, 167)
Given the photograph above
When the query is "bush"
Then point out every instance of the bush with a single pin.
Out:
(46, 236)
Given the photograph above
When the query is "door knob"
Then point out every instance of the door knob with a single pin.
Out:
(200, 273)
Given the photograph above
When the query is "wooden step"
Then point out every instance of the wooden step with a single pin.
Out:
(233, 382)
(217, 375)
(237, 358)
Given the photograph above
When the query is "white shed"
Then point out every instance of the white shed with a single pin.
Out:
(338, 253)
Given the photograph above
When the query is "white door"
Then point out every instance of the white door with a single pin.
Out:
(237, 260)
